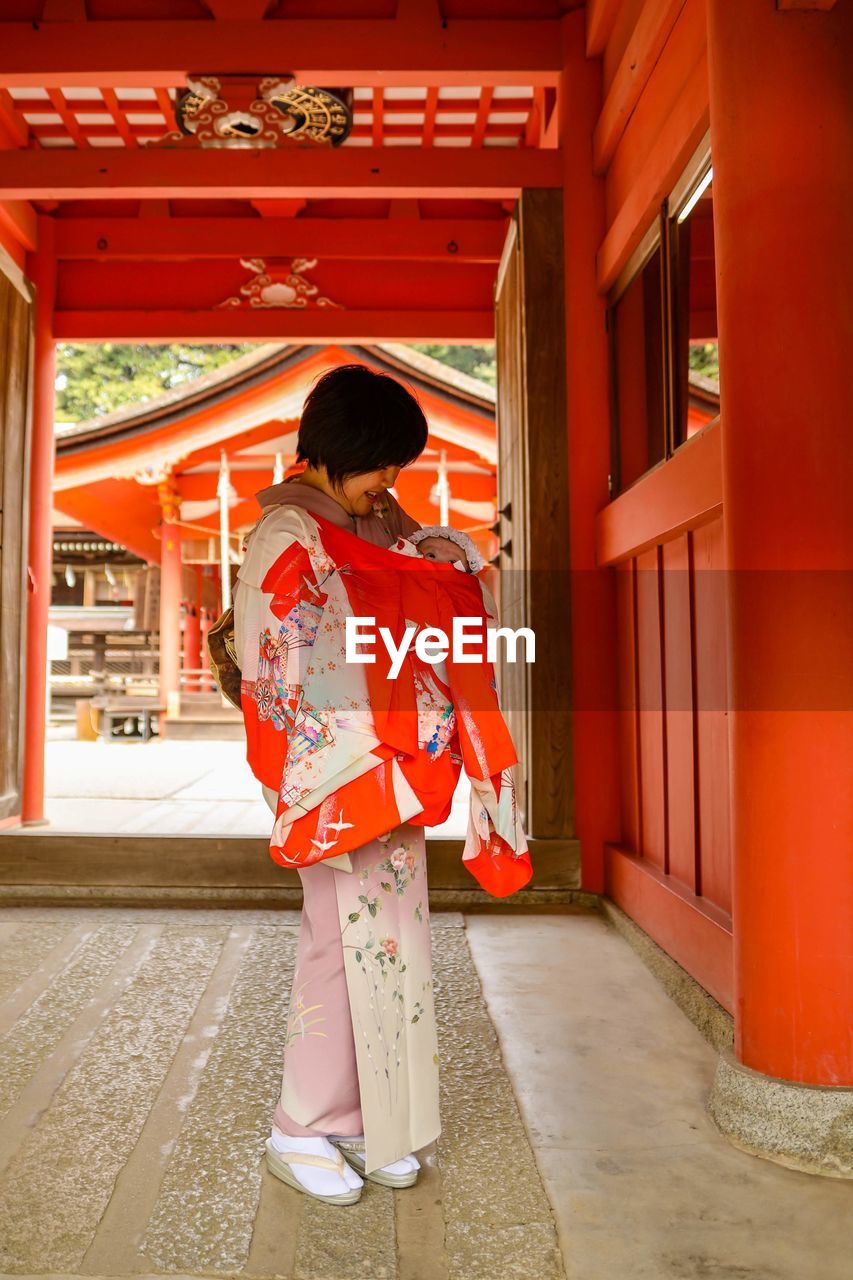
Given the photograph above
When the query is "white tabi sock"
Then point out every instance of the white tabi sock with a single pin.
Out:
(320, 1182)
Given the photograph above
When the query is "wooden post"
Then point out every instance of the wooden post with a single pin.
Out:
(192, 643)
(171, 584)
(41, 268)
(780, 122)
(223, 492)
(593, 606)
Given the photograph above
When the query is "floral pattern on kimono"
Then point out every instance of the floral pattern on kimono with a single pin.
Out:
(350, 752)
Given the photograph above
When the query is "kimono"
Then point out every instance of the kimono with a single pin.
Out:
(355, 765)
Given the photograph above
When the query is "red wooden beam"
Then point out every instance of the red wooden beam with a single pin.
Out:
(483, 109)
(376, 130)
(126, 131)
(292, 173)
(687, 491)
(164, 104)
(18, 219)
(14, 130)
(600, 17)
(668, 153)
(273, 325)
(152, 131)
(649, 36)
(67, 116)
(344, 51)
(692, 930)
(477, 240)
(430, 109)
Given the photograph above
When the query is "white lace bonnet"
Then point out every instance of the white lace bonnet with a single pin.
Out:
(462, 540)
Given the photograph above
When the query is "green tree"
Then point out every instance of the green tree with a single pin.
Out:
(477, 360)
(96, 378)
(704, 358)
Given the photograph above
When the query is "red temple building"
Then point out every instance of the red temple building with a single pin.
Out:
(202, 451)
(645, 204)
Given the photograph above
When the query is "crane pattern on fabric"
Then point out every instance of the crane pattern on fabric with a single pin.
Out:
(350, 758)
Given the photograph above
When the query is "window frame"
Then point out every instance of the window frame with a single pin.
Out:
(661, 234)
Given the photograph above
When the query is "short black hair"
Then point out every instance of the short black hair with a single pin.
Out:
(356, 420)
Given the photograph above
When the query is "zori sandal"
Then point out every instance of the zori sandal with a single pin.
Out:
(352, 1150)
(278, 1163)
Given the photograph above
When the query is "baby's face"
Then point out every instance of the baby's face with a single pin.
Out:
(443, 550)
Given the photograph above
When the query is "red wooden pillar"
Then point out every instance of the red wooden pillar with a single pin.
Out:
(41, 268)
(595, 729)
(782, 200)
(207, 621)
(192, 630)
(192, 640)
(170, 612)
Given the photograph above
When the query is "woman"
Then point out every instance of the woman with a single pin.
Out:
(360, 1085)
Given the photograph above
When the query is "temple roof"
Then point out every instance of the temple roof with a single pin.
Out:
(108, 469)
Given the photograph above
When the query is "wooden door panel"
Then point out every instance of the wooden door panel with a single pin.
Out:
(627, 658)
(651, 720)
(533, 494)
(678, 710)
(712, 716)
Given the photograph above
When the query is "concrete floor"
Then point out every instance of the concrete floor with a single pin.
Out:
(139, 1053)
(166, 788)
(612, 1081)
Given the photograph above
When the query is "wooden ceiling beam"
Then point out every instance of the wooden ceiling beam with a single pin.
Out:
(600, 17)
(14, 130)
(320, 325)
(290, 173)
(323, 52)
(393, 239)
(19, 220)
(164, 103)
(654, 25)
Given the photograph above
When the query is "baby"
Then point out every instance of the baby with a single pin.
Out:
(445, 545)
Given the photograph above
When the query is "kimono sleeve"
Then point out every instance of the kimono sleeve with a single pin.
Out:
(277, 609)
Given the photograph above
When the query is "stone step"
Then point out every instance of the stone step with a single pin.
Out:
(198, 728)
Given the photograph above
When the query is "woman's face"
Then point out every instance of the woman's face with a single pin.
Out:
(361, 493)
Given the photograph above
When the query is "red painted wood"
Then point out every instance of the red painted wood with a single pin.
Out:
(654, 24)
(696, 934)
(630, 376)
(780, 128)
(660, 156)
(679, 721)
(712, 714)
(275, 325)
(629, 793)
(149, 240)
(292, 173)
(362, 52)
(652, 743)
(41, 268)
(123, 511)
(661, 101)
(18, 228)
(600, 16)
(595, 727)
(171, 576)
(200, 285)
(674, 753)
(680, 494)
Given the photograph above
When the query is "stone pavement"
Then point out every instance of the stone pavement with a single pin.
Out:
(139, 1059)
(139, 1063)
